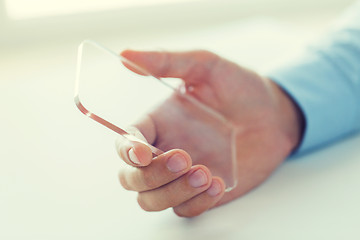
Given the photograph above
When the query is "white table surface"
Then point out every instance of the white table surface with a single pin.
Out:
(58, 169)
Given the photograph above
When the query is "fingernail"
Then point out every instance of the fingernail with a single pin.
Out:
(198, 178)
(214, 189)
(176, 163)
(133, 156)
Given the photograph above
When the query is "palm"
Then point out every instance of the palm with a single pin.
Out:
(241, 97)
(181, 124)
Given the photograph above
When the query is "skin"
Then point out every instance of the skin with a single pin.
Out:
(269, 127)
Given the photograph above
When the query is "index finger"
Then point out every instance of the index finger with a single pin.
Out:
(192, 66)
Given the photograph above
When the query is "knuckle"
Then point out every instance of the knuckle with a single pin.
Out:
(205, 62)
(171, 199)
(207, 55)
(196, 212)
(149, 179)
(148, 204)
(181, 212)
(151, 203)
(178, 212)
(123, 181)
(143, 203)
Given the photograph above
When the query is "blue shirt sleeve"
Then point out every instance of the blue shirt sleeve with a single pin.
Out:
(325, 83)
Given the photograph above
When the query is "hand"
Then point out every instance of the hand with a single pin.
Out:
(270, 123)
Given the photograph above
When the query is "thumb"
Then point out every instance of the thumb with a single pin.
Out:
(139, 139)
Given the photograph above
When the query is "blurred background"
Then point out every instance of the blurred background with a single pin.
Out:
(39, 22)
(58, 169)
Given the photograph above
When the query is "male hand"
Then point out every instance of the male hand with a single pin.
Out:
(269, 123)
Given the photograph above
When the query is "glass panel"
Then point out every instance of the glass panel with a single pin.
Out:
(116, 97)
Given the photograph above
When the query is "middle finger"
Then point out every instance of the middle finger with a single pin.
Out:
(162, 170)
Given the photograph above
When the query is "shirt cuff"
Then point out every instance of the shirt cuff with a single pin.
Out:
(328, 103)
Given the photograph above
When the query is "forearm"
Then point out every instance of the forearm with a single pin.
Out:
(325, 84)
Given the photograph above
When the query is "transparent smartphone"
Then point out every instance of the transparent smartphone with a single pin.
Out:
(112, 95)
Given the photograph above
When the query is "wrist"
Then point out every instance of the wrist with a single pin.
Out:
(290, 117)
